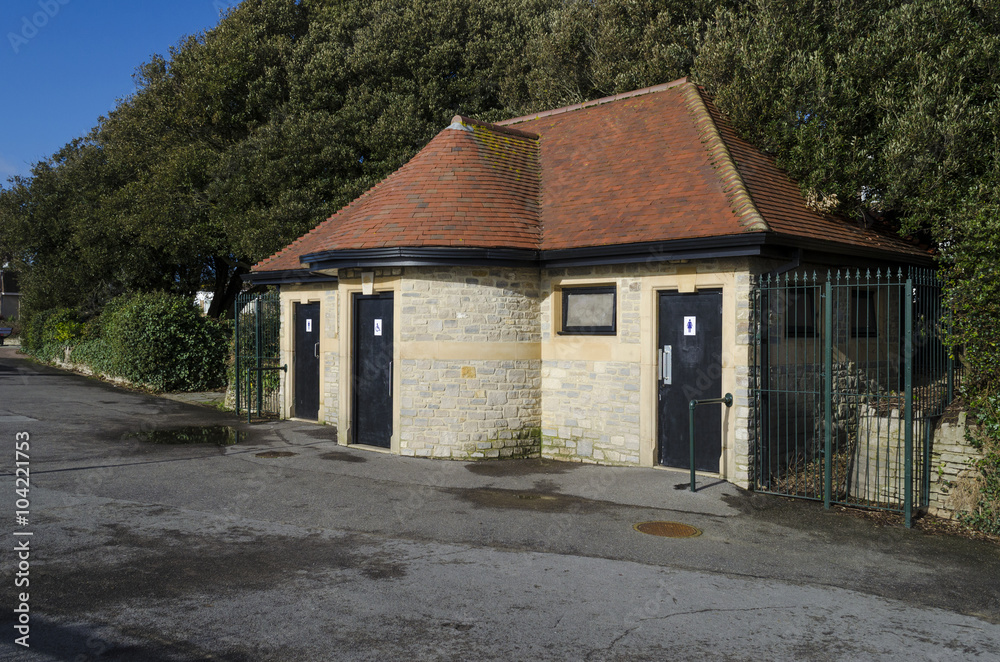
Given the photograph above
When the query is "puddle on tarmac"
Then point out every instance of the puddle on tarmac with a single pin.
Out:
(341, 456)
(528, 500)
(219, 435)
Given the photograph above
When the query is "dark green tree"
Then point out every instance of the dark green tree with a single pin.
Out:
(881, 110)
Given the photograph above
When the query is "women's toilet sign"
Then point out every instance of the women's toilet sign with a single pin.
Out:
(690, 325)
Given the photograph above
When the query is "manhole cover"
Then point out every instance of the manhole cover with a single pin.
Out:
(270, 454)
(668, 529)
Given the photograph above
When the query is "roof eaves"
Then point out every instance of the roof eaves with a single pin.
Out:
(734, 186)
(287, 277)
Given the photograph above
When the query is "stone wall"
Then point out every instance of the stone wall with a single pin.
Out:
(591, 411)
(953, 473)
(330, 355)
(469, 409)
(590, 404)
(470, 373)
(599, 392)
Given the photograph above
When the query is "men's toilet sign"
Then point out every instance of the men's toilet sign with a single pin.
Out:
(690, 325)
(378, 327)
(309, 325)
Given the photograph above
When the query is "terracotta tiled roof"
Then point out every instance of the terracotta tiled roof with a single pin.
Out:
(474, 185)
(653, 165)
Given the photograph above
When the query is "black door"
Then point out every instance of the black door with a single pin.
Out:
(306, 360)
(372, 377)
(690, 368)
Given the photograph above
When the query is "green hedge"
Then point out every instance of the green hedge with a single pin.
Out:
(56, 326)
(155, 339)
(163, 341)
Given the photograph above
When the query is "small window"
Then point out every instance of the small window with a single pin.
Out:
(800, 314)
(864, 314)
(589, 310)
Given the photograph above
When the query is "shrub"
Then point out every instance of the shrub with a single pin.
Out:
(161, 340)
(986, 437)
(55, 326)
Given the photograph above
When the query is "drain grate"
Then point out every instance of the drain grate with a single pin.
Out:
(668, 529)
(270, 454)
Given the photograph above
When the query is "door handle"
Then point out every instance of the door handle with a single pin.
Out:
(390, 379)
(316, 351)
(667, 364)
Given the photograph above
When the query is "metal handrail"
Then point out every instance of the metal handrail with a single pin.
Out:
(727, 400)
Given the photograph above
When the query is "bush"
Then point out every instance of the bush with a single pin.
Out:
(986, 437)
(55, 326)
(161, 340)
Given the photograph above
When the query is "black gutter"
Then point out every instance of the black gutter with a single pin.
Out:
(750, 244)
(410, 257)
(820, 246)
(741, 245)
(287, 277)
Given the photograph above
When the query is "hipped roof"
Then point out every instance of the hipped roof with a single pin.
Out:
(651, 166)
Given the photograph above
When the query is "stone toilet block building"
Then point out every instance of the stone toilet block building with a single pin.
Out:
(559, 285)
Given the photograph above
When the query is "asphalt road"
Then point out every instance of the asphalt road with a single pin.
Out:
(286, 546)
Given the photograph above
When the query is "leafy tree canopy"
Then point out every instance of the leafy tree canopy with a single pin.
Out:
(240, 139)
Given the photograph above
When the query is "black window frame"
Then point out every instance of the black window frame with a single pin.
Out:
(605, 330)
(868, 329)
(808, 317)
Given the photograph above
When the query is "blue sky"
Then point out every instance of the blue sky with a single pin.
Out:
(64, 63)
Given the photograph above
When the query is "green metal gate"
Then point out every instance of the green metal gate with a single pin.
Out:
(849, 375)
(258, 355)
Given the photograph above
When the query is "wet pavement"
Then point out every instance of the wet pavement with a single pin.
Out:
(288, 546)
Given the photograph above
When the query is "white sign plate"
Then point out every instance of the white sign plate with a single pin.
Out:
(378, 327)
(690, 326)
(309, 325)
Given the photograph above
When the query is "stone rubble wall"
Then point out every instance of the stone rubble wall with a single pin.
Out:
(953, 471)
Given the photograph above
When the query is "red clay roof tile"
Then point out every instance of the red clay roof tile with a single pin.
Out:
(653, 165)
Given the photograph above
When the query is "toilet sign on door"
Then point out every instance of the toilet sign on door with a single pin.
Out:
(378, 327)
(309, 325)
(690, 326)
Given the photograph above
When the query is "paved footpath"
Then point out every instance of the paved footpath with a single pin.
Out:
(287, 546)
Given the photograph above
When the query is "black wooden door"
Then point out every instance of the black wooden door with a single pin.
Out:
(372, 373)
(690, 368)
(306, 388)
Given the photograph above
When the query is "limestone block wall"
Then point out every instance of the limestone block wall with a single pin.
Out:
(953, 472)
(469, 409)
(591, 411)
(591, 384)
(740, 462)
(877, 466)
(330, 358)
(599, 393)
(469, 361)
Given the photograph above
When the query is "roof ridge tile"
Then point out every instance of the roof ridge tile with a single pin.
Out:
(722, 160)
